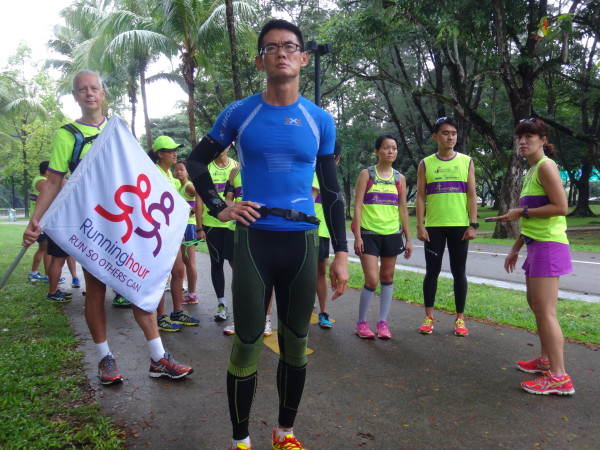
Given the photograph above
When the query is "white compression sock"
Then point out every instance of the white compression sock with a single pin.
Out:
(102, 349)
(157, 351)
(242, 441)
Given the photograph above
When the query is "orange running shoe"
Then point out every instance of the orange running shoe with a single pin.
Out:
(108, 372)
(550, 384)
(288, 443)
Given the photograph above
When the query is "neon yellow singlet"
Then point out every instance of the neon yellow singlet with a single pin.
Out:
(545, 229)
(323, 230)
(219, 175)
(62, 147)
(33, 196)
(170, 178)
(191, 201)
(380, 212)
(237, 194)
(446, 191)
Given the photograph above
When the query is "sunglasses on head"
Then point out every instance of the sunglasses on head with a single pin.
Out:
(531, 119)
(441, 120)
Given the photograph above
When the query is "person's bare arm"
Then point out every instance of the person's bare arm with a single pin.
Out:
(48, 193)
(470, 232)
(422, 234)
(403, 211)
(359, 199)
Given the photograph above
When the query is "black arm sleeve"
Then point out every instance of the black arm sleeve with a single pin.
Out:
(197, 167)
(333, 202)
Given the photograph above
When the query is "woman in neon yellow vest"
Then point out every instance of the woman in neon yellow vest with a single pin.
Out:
(164, 155)
(380, 209)
(543, 206)
(41, 253)
(188, 252)
(215, 232)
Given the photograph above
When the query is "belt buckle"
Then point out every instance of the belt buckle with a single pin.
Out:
(264, 211)
(293, 214)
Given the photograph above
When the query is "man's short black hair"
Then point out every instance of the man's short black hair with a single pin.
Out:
(279, 24)
(44, 166)
(444, 120)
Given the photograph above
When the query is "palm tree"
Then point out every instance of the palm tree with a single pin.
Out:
(134, 42)
(20, 107)
(197, 25)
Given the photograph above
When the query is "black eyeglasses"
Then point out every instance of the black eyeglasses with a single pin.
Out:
(441, 120)
(271, 49)
(531, 119)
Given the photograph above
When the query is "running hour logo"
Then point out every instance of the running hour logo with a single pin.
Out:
(142, 190)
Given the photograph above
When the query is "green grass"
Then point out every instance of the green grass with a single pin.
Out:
(45, 400)
(584, 241)
(580, 321)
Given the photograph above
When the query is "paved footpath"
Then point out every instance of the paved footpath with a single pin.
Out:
(412, 392)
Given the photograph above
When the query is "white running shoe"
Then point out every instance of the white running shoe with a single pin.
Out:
(268, 328)
(221, 314)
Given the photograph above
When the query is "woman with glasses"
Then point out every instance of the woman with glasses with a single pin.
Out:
(446, 214)
(542, 209)
(380, 218)
(164, 155)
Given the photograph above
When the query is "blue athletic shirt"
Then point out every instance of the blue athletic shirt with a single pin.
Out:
(277, 148)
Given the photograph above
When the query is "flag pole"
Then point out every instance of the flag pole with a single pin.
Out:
(12, 266)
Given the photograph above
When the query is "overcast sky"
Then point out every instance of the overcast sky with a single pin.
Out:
(32, 21)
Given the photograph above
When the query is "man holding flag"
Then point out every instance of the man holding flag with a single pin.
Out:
(89, 94)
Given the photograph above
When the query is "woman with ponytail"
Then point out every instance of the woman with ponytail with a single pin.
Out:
(542, 209)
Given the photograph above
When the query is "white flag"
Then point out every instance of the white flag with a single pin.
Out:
(120, 218)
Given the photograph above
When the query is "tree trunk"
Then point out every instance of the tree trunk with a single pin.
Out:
(348, 194)
(509, 198)
(235, 71)
(25, 177)
(188, 68)
(132, 94)
(583, 186)
(145, 107)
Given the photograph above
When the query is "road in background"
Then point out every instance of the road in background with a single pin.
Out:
(485, 265)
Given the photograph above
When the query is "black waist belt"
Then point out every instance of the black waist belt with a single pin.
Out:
(289, 214)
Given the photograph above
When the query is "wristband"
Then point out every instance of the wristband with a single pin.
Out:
(525, 212)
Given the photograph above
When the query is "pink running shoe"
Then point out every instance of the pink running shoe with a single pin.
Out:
(427, 326)
(460, 329)
(537, 365)
(382, 330)
(550, 384)
(363, 331)
(190, 299)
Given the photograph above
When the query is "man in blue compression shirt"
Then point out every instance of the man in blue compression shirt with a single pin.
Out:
(282, 139)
